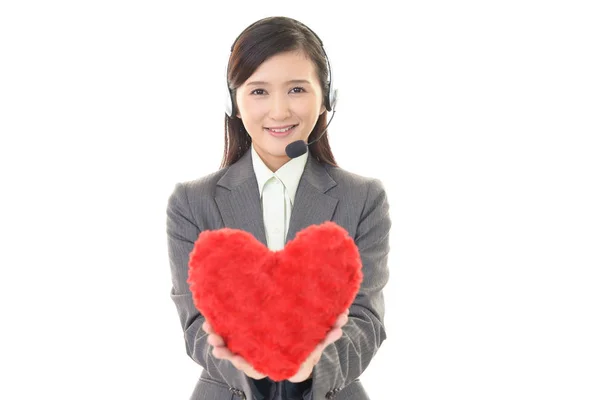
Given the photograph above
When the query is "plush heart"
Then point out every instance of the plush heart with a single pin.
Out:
(274, 307)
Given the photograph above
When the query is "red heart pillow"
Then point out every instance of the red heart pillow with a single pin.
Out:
(274, 307)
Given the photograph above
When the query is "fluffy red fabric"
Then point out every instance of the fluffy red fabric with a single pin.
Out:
(274, 307)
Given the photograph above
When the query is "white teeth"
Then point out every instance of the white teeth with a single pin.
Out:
(282, 130)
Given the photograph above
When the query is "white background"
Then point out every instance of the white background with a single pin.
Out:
(480, 118)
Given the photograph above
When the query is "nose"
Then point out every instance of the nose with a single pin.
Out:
(280, 108)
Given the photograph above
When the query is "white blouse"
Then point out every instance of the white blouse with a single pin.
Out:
(277, 192)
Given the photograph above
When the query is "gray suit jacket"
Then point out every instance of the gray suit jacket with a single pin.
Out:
(230, 198)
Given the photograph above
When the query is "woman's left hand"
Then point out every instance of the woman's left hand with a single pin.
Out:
(305, 371)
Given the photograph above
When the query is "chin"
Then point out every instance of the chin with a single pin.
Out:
(279, 153)
(278, 148)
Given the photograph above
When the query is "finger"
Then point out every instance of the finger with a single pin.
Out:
(237, 362)
(215, 340)
(316, 353)
(332, 336)
(318, 350)
(315, 356)
(341, 321)
(222, 353)
(316, 359)
(244, 366)
(347, 311)
(206, 326)
(240, 363)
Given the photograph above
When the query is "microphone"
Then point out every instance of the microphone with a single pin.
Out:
(299, 147)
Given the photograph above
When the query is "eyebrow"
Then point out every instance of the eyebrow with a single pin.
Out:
(267, 83)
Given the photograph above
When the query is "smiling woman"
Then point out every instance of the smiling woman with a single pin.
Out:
(280, 103)
(278, 72)
(279, 92)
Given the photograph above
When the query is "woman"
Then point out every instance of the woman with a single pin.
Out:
(279, 82)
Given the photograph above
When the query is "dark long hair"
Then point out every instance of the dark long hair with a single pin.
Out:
(261, 40)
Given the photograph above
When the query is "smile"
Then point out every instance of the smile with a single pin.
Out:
(281, 131)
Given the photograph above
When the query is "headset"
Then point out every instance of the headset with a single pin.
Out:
(331, 92)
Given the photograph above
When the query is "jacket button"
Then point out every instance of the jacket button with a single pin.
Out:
(238, 393)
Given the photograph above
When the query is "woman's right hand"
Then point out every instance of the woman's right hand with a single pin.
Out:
(221, 352)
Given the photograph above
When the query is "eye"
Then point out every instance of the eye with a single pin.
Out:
(258, 92)
(298, 89)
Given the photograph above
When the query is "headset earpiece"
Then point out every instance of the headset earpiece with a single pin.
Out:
(229, 103)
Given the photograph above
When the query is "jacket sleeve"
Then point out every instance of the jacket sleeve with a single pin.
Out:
(346, 359)
(182, 232)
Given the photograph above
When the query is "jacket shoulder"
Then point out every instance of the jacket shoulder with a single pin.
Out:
(204, 185)
(353, 181)
(199, 192)
(193, 200)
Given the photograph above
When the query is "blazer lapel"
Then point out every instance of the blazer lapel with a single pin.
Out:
(311, 205)
(238, 199)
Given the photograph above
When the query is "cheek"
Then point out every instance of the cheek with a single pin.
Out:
(252, 110)
(307, 107)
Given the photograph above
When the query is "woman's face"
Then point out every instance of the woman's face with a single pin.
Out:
(279, 104)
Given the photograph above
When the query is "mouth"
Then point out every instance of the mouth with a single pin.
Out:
(281, 131)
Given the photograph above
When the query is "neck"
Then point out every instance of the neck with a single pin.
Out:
(273, 162)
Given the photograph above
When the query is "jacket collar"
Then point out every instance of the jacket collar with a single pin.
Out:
(238, 198)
